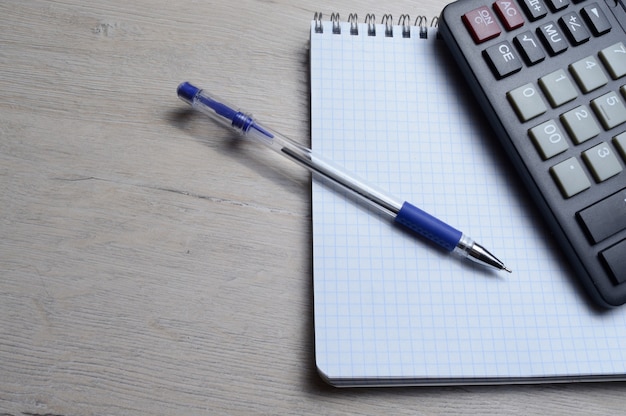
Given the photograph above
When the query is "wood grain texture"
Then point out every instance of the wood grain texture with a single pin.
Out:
(150, 263)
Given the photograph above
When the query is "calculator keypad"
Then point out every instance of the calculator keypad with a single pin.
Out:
(551, 76)
(558, 88)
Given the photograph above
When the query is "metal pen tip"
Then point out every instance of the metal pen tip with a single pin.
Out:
(507, 269)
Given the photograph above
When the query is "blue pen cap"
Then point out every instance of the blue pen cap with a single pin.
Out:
(187, 92)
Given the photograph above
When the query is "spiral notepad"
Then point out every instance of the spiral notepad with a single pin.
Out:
(388, 104)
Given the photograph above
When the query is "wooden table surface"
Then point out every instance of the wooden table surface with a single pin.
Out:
(151, 263)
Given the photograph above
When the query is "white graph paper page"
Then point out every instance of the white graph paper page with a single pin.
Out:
(391, 308)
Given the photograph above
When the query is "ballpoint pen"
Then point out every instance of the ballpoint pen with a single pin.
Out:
(402, 213)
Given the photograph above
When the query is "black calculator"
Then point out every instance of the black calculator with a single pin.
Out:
(550, 75)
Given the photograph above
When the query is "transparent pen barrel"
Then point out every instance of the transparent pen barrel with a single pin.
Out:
(326, 169)
(243, 123)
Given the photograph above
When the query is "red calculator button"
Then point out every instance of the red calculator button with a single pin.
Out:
(509, 14)
(481, 24)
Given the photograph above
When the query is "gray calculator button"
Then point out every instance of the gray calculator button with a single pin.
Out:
(610, 110)
(526, 101)
(614, 58)
(580, 124)
(549, 139)
(570, 177)
(588, 74)
(620, 143)
(558, 88)
(602, 162)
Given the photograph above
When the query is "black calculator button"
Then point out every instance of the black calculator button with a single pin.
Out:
(620, 143)
(534, 9)
(482, 24)
(574, 28)
(556, 5)
(502, 59)
(605, 218)
(596, 19)
(509, 14)
(615, 259)
(529, 48)
(552, 38)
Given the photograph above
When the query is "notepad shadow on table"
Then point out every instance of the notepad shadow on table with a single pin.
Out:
(392, 309)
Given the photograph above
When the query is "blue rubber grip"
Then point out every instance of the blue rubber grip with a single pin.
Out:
(428, 226)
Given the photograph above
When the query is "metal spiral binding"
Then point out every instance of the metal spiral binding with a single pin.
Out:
(404, 22)
(334, 17)
(388, 22)
(370, 20)
(353, 19)
(318, 22)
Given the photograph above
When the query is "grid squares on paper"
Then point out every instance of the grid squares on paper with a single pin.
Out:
(393, 308)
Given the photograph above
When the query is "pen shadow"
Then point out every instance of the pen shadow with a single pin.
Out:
(242, 150)
(234, 146)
